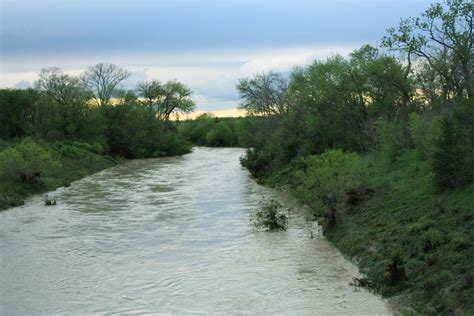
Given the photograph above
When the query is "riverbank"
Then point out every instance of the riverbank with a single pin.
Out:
(413, 243)
(29, 167)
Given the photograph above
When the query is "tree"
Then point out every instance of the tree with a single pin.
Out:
(151, 92)
(382, 84)
(65, 98)
(171, 97)
(61, 87)
(17, 110)
(123, 96)
(453, 161)
(264, 94)
(442, 37)
(102, 80)
(220, 135)
(329, 102)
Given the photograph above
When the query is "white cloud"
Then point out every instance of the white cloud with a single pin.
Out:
(211, 74)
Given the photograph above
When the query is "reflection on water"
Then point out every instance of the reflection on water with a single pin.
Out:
(168, 235)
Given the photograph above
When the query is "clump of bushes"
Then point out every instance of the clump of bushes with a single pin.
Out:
(220, 135)
(31, 166)
(207, 130)
(270, 216)
(25, 163)
(331, 183)
(453, 159)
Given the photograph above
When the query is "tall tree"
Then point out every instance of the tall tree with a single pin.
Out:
(102, 80)
(264, 94)
(66, 99)
(17, 112)
(443, 38)
(151, 92)
(168, 98)
(61, 87)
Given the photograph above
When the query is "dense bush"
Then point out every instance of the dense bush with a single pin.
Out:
(17, 108)
(270, 216)
(453, 161)
(30, 166)
(133, 131)
(220, 135)
(331, 183)
(207, 130)
(425, 130)
(25, 163)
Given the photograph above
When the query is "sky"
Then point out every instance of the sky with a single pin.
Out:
(206, 44)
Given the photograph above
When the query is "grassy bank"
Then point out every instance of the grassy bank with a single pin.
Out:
(414, 243)
(29, 167)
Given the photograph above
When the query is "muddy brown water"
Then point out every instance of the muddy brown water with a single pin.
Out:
(170, 235)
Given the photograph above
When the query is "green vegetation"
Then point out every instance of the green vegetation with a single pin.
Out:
(380, 146)
(69, 127)
(31, 167)
(270, 216)
(207, 130)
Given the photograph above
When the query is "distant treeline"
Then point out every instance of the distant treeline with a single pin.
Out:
(380, 145)
(207, 130)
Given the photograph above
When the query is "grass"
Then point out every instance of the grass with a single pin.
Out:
(70, 162)
(415, 244)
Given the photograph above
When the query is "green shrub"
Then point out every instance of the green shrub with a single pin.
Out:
(453, 161)
(424, 131)
(25, 163)
(257, 161)
(270, 216)
(171, 144)
(389, 139)
(329, 181)
(221, 135)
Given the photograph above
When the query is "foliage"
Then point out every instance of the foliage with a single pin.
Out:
(30, 167)
(220, 135)
(133, 131)
(390, 139)
(442, 37)
(425, 129)
(207, 130)
(168, 98)
(102, 81)
(410, 241)
(270, 216)
(16, 109)
(264, 94)
(453, 160)
(25, 163)
(331, 183)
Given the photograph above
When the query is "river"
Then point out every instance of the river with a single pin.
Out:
(169, 235)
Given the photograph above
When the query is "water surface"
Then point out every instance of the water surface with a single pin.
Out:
(169, 235)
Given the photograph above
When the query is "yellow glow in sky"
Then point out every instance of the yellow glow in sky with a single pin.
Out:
(219, 113)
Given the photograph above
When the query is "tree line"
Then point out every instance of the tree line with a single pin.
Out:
(93, 108)
(415, 91)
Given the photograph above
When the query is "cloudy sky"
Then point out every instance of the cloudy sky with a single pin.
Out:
(207, 44)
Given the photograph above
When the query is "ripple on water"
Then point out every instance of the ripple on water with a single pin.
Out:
(169, 235)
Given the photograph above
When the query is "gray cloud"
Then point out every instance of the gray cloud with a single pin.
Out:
(207, 44)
